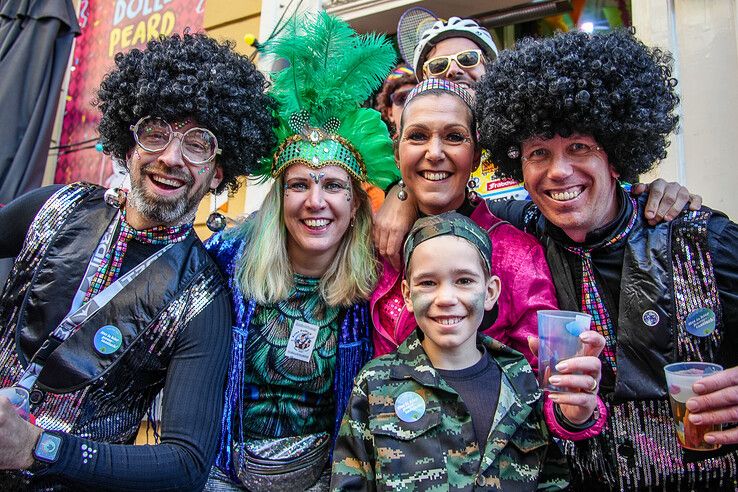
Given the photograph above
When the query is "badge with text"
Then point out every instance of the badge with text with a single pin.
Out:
(409, 407)
(108, 339)
(700, 322)
(302, 341)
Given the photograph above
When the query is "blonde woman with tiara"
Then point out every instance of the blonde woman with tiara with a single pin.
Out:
(301, 270)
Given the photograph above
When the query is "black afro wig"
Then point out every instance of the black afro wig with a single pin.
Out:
(190, 76)
(607, 85)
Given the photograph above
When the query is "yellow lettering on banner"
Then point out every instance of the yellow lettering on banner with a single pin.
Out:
(140, 35)
(114, 41)
(125, 36)
(167, 23)
(146, 30)
(152, 26)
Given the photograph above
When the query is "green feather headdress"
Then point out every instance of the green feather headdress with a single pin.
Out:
(331, 71)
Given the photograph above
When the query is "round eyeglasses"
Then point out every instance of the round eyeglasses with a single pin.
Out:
(440, 64)
(198, 145)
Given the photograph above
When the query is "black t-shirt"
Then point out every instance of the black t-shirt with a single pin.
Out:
(192, 400)
(479, 389)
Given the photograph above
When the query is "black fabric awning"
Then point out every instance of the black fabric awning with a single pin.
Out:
(35, 42)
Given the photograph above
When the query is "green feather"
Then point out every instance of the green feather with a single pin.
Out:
(331, 71)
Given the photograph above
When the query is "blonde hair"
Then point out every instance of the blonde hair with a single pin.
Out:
(264, 272)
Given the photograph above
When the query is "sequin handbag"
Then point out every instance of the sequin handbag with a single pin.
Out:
(285, 464)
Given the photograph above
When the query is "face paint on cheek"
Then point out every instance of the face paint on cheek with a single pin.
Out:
(421, 303)
(203, 170)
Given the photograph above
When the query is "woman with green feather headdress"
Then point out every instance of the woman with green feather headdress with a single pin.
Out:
(303, 267)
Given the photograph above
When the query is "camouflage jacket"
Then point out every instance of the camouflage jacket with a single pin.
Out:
(375, 450)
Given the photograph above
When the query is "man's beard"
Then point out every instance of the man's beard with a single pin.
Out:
(161, 211)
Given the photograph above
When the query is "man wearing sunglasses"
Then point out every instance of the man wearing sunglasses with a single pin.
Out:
(112, 297)
(456, 50)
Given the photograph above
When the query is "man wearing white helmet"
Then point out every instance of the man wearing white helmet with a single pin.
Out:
(456, 50)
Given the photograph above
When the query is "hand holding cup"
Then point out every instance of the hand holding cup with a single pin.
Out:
(577, 378)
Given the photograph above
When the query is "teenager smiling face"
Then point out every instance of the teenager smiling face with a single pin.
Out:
(437, 151)
(448, 290)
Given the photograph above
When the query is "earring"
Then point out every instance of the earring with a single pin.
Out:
(115, 197)
(352, 223)
(401, 193)
(471, 192)
(216, 221)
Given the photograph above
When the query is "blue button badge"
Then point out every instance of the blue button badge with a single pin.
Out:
(108, 339)
(409, 407)
(700, 322)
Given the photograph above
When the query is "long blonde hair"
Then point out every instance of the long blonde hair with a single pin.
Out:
(264, 272)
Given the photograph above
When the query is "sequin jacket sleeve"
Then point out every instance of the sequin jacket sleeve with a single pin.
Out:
(190, 418)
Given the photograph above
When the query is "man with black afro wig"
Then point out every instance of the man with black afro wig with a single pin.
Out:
(191, 76)
(571, 115)
(112, 297)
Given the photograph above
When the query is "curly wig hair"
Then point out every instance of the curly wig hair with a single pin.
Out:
(401, 75)
(190, 76)
(607, 85)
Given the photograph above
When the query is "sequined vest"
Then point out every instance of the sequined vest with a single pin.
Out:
(82, 392)
(667, 274)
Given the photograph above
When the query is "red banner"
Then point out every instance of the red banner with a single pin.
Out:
(107, 28)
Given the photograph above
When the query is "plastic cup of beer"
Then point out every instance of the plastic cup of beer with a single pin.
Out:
(19, 399)
(680, 377)
(558, 332)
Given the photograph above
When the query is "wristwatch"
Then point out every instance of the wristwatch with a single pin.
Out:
(46, 451)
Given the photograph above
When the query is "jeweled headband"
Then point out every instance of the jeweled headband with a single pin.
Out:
(448, 224)
(441, 85)
(317, 147)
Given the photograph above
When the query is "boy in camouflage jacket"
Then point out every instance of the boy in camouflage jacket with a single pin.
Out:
(407, 428)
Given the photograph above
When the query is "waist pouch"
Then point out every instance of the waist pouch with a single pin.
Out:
(281, 464)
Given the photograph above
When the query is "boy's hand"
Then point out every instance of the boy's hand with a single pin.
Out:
(665, 200)
(580, 377)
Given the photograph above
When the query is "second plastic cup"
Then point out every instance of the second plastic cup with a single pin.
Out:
(558, 332)
(680, 377)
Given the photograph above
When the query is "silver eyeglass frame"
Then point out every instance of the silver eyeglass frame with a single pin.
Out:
(172, 134)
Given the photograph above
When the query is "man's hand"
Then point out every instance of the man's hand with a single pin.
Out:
(17, 438)
(717, 403)
(579, 376)
(392, 222)
(665, 200)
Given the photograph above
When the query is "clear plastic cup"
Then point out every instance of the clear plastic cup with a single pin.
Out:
(680, 377)
(19, 398)
(558, 332)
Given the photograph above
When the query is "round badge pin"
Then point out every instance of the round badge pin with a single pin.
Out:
(409, 407)
(700, 322)
(651, 318)
(108, 340)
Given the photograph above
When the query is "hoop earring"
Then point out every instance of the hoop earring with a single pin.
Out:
(401, 193)
(216, 221)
